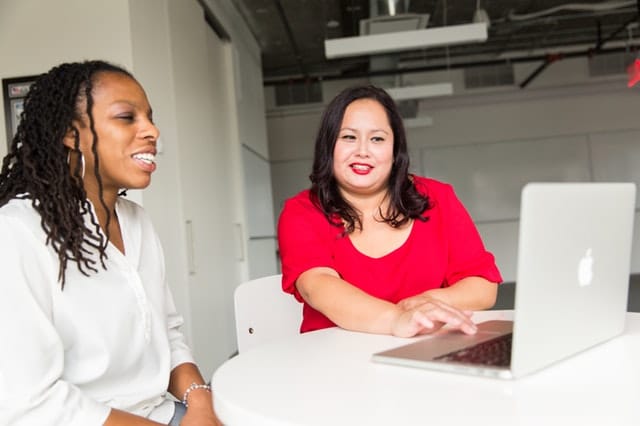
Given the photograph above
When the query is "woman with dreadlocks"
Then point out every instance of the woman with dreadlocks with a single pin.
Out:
(89, 330)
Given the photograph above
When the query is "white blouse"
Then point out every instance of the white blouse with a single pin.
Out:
(107, 340)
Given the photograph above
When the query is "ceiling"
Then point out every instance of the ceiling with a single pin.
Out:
(291, 33)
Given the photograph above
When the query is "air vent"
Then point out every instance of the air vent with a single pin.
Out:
(488, 76)
(609, 63)
(299, 93)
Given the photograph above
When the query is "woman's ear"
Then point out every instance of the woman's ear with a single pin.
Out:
(69, 139)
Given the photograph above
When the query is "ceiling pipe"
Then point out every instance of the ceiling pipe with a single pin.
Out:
(458, 65)
(580, 7)
(549, 59)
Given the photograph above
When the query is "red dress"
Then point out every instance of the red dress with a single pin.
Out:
(438, 252)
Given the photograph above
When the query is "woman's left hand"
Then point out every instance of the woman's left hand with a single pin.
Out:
(469, 294)
(200, 410)
(194, 417)
(428, 296)
(414, 301)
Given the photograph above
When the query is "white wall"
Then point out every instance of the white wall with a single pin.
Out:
(259, 233)
(36, 35)
(151, 48)
(170, 49)
(488, 142)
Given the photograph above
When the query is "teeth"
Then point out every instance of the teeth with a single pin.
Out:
(147, 157)
(360, 167)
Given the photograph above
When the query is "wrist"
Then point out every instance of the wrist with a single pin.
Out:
(195, 394)
(393, 319)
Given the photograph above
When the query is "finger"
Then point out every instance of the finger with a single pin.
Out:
(422, 319)
(463, 314)
(451, 317)
(436, 326)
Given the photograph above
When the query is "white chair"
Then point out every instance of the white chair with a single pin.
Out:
(264, 312)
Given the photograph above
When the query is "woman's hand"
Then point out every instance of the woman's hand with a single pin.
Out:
(200, 410)
(471, 293)
(195, 417)
(426, 315)
(414, 301)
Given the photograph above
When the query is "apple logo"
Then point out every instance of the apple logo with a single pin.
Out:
(585, 269)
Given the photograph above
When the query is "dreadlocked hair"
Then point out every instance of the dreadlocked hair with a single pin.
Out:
(37, 168)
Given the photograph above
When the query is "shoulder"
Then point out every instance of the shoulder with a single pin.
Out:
(301, 204)
(301, 213)
(23, 238)
(301, 199)
(432, 188)
(19, 215)
(18, 207)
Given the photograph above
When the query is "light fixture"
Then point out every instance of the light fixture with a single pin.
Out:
(412, 123)
(404, 40)
(420, 91)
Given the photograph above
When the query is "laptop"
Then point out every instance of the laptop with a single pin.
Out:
(574, 255)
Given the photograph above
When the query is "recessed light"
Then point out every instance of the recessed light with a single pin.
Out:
(332, 23)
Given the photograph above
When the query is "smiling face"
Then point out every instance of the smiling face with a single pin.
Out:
(126, 135)
(363, 153)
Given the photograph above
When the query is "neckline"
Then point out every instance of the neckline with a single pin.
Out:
(110, 246)
(401, 247)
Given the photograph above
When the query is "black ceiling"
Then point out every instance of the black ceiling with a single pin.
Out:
(291, 33)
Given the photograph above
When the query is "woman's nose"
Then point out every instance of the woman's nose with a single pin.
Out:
(150, 131)
(362, 148)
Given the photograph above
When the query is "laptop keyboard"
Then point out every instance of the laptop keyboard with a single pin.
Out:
(495, 352)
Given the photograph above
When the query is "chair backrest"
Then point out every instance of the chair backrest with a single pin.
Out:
(264, 312)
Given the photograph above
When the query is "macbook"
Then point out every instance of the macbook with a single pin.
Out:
(574, 254)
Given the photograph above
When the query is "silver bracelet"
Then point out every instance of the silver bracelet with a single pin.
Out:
(192, 387)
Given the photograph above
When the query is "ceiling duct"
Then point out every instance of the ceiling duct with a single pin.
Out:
(389, 17)
(391, 28)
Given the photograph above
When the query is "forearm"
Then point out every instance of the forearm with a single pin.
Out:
(182, 377)
(471, 293)
(347, 306)
(199, 400)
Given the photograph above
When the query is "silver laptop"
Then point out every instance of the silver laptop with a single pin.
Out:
(572, 283)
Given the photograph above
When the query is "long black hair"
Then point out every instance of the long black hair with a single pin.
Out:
(405, 202)
(37, 168)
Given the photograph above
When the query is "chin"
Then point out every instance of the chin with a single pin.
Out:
(138, 185)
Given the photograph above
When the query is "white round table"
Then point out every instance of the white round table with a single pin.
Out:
(327, 378)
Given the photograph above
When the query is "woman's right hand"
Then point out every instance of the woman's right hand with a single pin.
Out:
(430, 317)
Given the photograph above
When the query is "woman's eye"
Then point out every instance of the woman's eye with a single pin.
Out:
(348, 137)
(125, 117)
(377, 139)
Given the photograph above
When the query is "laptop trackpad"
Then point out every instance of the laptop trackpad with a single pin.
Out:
(446, 341)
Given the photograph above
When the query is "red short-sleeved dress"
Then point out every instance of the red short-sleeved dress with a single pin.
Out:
(438, 252)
